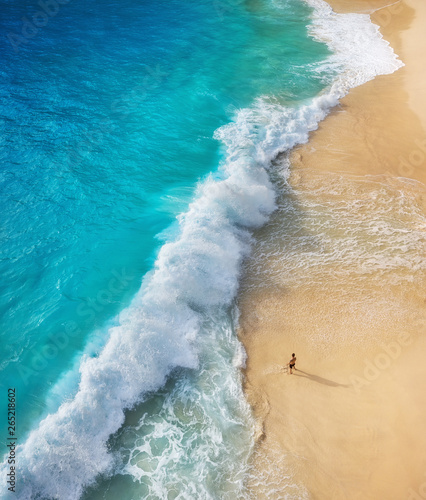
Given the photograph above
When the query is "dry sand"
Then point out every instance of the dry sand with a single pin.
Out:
(350, 423)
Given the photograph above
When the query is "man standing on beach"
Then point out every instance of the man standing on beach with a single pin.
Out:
(292, 363)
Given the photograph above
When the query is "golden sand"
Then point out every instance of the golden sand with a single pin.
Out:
(337, 277)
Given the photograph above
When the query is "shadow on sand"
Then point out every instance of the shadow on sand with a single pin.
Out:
(320, 380)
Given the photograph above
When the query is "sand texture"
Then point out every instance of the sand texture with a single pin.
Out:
(338, 277)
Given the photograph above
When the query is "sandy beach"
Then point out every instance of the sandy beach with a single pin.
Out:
(338, 277)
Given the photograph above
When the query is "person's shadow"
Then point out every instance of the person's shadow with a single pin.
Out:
(320, 380)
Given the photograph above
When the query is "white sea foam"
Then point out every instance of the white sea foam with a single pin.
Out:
(194, 275)
(198, 440)
(358, 46)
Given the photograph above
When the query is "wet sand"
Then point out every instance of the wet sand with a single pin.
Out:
(338, 277)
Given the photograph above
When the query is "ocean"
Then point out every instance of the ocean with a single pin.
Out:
(137, 142)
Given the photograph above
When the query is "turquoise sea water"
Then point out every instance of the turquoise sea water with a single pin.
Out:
(108, 115)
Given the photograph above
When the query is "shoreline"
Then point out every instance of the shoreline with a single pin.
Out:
(349, 423)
